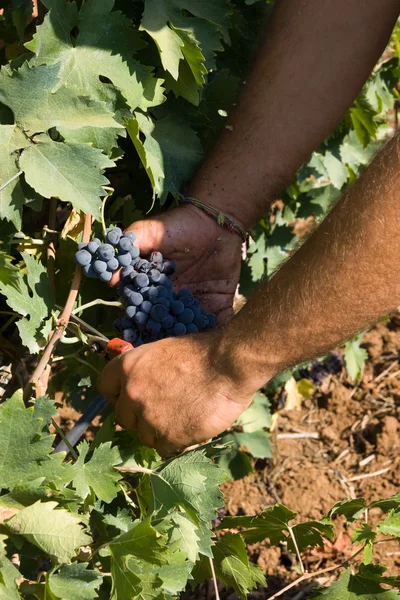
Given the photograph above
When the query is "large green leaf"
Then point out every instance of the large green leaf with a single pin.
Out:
(71, 172)
(11, 197)
(103, 46)
(98, 473)
(74, 582)
(272, 523)
(356, 587)
(56, 532)
(30, 297)
(390, 525)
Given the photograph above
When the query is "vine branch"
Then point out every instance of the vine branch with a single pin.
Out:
(58, 331)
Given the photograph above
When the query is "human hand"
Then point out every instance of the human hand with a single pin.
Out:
(207, 256)
(174, 392)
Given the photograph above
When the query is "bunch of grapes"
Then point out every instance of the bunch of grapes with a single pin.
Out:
(319, 370)
(153, 310)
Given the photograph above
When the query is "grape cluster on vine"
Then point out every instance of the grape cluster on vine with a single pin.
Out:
(153, 310)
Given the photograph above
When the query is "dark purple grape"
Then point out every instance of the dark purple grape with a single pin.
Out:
(164, 302)
(187, 300)
(113, 236)
(125, 244)
(186, 317)
(126, 323)
(135, 298)
(153, 327)
(169, 267)
(128, 290)
(179, 329)
(118, 324)
(154, 275)
(177, 307)
(124, 259)
(83, 258)
(130, 235)
(99, 266)
(130, 311)
(106, 276)
(196, 309)
(146, 306)
(134, 252)
(93, 246)
(112, 264)
(141, 280)
(159, 312)
(168, 322)
(106, 252)
(162, 292)
(126, 272)
(89, 271)
(120, 288)
(152, 293)
(82, 245)
(165, 281)
(129, 335)
(201, 322)
(191, 328)
(141, 319)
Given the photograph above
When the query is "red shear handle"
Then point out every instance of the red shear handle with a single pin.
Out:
(116, 346)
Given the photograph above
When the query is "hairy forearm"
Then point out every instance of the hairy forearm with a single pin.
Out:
(342, 279)
(314, 60)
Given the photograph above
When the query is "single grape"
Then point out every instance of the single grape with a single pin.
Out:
(143, 291)
(130, 235)
(159, 312)
(167, 322)
(99, 266)
(126, 272)
(201, 322)
(196, 309)
(156, 257)
(83, 258)
(153, 327)
(128, 289)
(141, 319)
(169, 267)
(152, 293)
(134, 252)
(89, 271)
(158, 266)
(113, 236)
(162, 292)
(191, 328)
(130, 311)
(125, 244)
(179, 329)
(126, 323)
(129, 335)
(106, 276)
(82, 245)
(154, 275)
(105, 252)
(135, 299)
(187, 300)
(141, 280)
(186, 317)
(177, 307)
(165, 281)
(146, 306)
(93, 246)
(124, 259)
(112, 264)
(164, 302)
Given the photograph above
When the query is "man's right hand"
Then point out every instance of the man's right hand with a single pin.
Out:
(207, 256)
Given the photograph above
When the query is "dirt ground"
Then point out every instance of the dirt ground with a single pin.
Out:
(356, 433)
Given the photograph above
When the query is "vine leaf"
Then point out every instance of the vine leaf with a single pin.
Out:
(98, 473)
(104, 46)
(38, 523)
(355, 357)
(351, 509)
(257, 415)
(390, 525)
(232, 565)
(30, 297)
(37, 106)
(366, 585)
(25, 448)
(272, 523)
(12, 196)
(170, 152)
(74, 581)
(70, 172)
(309, 534)
(8, 574)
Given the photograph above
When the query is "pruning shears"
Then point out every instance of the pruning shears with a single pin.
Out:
(110, 349)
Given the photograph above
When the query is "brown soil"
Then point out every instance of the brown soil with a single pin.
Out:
(354, 422)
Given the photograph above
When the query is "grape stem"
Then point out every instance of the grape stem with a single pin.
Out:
(35, 380)
(95, 303)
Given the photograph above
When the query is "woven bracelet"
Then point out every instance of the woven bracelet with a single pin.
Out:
(223, 220)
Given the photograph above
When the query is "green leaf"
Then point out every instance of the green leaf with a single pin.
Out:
(46, 107)
(355, 357)
(366, 536)
(103, 138)
(257, 415)
(192, 540)
(56, 532)
(30, 297)
(74, 581)
(70, 172)
(170, 152)
(310, 534)
(390, 525)
(44, 408)
(361, 115)
(11, 197)
(336, 171)
(271, 523)
(103, 46)
(387, 504)
(257, 443)
(232, 565)
(8, 575)
(355, 587)
(190, 481)
(235, 463)
(98, 473)
(25, 448)
(351, 509)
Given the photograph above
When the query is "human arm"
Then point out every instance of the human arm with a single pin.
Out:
(314, 59)
(176, 392)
